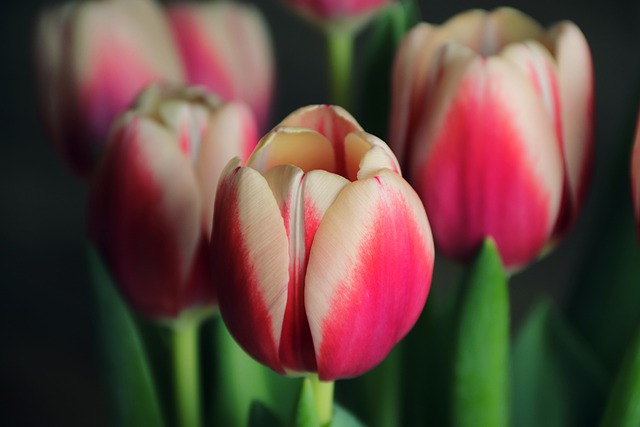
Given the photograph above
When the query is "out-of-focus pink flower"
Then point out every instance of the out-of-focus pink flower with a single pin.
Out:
(337, 12)
(492, 116)
(226, 47)
(635, 175)
(324, 253)
(151, 206)
(92, 60)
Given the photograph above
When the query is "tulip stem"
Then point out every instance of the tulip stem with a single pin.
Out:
(186, 375)
(340, 50)
(323, 395)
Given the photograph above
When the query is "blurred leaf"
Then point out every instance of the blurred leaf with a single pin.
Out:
(553, 369)
(131, 388)
(261, 416)
(623, 408)
(305, 413)
(388, 29)
(480, 395)
(241, 380)
(344, 418)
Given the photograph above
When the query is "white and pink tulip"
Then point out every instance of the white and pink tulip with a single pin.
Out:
(152, 199)
(323, 251)
(492, 117)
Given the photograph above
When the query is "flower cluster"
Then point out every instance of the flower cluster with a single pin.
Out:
(307, 240)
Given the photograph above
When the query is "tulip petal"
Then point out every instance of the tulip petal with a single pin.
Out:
(370, 154)
(575, 81)
(408, 80)
(488, 131)
(251, 259)
(145, 213)
(115, 57)
(226, 47)
(509, 25)
(231, 132)
(306, 149)
(368, 275)
(334, 122)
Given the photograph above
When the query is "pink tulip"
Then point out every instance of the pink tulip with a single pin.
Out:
(226, 47)
(337, 11)
(152, 200)
(635, 175)
(323, 251)
(492, 116)
(92, 59)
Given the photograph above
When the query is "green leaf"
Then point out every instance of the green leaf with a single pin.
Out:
(623, 408)
(131, 389)
(241, 380)
(344, 418)
(481, 359)
(305, 413)
(388, 29)
(261, 416)
(553, 369)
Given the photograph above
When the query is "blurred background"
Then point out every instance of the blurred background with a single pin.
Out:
(49, 364)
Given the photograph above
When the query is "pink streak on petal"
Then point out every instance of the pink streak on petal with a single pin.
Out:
(478, 181)
(241, 288)
(338, 8)
(142, 188)
(385, 280)
(202, 62)
(116, 76)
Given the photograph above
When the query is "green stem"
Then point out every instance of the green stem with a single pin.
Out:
(340, 50)
(323, 395)
(186, 374)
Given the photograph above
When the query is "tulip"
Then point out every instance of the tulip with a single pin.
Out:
(336, 11)
(226, 47)
(492, 117)
(152, 201)
(92, 60)
(323, 252)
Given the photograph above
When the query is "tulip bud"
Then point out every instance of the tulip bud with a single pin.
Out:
(323, 252)
(226, 48)
(152, 201)
(350, 13)
(492, 116)
(92, 60)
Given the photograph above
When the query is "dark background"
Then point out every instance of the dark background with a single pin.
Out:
(49, 366)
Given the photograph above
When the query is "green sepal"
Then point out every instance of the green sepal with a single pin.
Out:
(552, 368)
(388, 30)
(623, 407)
(480, 389)
(133, 397)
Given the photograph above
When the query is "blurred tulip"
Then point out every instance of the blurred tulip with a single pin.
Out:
(226, 47)
(92, 60)
(323, 252)
(337, 12)
(635, 175)
(492, 116)
(151, 205)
